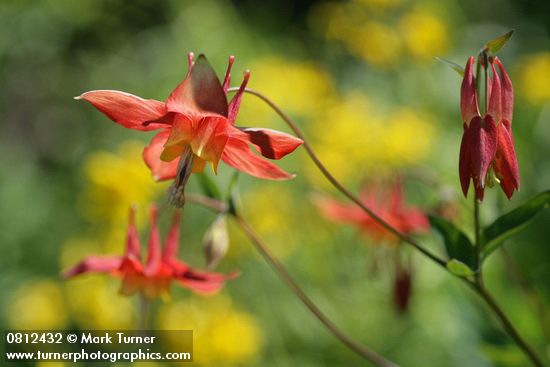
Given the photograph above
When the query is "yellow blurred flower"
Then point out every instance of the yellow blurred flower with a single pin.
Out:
(302, 87)
(425, 34)
(94, 303)
(372, 40)
(221, 335)
(375, 31)
(408, 137)
(114, 182)
(353, 139)
(534, 78)
(37, 305)
(377, 43)
(273, 213)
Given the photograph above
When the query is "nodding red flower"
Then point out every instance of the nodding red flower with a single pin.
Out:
(153, 278)
(197, 126)
(387, 203)
(487, 149)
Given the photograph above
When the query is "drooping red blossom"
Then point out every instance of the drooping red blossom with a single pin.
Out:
(154, 277)
(487, 151)
(387, 203)
(197, 125)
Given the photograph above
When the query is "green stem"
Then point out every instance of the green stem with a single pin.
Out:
(405, 238)
(144, 307)
(477, 243)
(507, 324)
(491, 302)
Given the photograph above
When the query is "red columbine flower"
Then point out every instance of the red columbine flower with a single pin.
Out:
(487, 148)
(154, 277)
(385, 202)
(197, 125)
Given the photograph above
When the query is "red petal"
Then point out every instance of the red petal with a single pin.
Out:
(480, 191)
(414, 220)
(237, 154)
(396, 197)
(271, 144)
(154, 250)
(227, 78)
(200, 92)
(133, 247)
(157, 285)
(126, 109)
(340, 212)
(173, 238)
(151, 155)
(235, 103)
(132, 280)
(483, 146)
(468, 98)
(507, 93)
(199, 281)
(210, 138)
(182, 130)
(495, 97)
(95, 264)
(464, 162)
(506, 164)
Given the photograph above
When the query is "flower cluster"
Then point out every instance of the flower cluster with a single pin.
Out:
(487, 149)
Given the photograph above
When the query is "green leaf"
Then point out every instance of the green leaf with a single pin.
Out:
(498, 43)
(453, 65)
(459, 268)
(208, 186)
(456, 243)
(512, 222)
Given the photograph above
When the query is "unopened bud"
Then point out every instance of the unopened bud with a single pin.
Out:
(402, 290)
(216, 242)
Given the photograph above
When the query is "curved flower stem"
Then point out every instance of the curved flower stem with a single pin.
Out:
(337, 183)
(507, 324)
(216, 205)
(285, 276)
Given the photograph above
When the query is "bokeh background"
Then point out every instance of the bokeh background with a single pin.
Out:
(359, 77)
